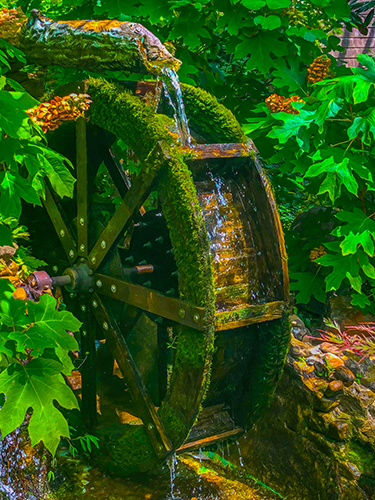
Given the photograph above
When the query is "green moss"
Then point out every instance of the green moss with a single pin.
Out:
(362, 457)
(126, 451)
(209, 118)
(174, 422)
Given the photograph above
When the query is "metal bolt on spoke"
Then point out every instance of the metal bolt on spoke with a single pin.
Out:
(181, 313)
(150, 427)
(83, 308)
(72, 295)
(103, 244)
(93, 260)
(113, 289)
(71, 253)
(82, 221)
(98, 283)
(94, 304)
(55, 269)
(105, 325)
(62, 233)
(196, 318)
(82, 248)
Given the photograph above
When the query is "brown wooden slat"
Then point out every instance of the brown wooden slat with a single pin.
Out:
(82, 222)
(228, 320)
(207, 151)
(200, 443)
(61, 228)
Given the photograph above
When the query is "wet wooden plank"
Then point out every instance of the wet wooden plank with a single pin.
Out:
(228, 320)
(207, 151)
(201, 443)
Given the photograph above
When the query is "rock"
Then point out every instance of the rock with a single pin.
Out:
(366, 371)
(325, 404)
(299, 331)
(302, 368)
(349, 470)
(320, 367)
(334, 389)
(311, 360)
(352, 365)
(332, 360)
(344, 374)
(297, 352)
(327, 347)
(315, 350)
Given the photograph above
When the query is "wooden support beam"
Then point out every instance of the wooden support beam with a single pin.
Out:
(207, 441)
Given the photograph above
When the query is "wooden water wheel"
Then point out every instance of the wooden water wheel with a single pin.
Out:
(206, 262)
(175, 292)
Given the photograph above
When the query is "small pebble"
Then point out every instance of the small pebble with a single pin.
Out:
(315, 350)
(311, 360)
(333, 360)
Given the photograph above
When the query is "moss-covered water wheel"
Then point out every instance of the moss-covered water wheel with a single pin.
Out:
(207, 261)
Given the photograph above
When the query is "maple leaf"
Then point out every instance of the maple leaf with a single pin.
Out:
(308, 285)
(358, 230)
(46, 327)
(344, 267)
(36, 385)
(338, 173)
(260, 47)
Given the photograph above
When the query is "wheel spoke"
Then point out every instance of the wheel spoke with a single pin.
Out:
(61, 228)
(151, 301)
(125, 212)
(82, 222)
(88, 371)
(117, 173)
(116, 342)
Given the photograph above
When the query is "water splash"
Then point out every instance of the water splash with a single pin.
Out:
(240, 454)
(175, 100)
(172, 462)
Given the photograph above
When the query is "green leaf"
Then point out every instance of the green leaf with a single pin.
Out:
(366, 265)
(259, 48)
(5, 235)
(288, 75)
(46, 328)
(327, 109)
(53, 165)
(253, 4)
(293, 125)
(360, 300)
(359, 229)
(343, 267)
(278, 4)
(363, 125)
(36, 385)
(13, 117)
(338, 173)
(308, 285)
(268, 23)
(355, 282)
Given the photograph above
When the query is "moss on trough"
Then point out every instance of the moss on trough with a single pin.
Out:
(209, 118)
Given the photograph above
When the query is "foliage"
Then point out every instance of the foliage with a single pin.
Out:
(34, 342)
(328, 147)
(361, 343)
(34, 346)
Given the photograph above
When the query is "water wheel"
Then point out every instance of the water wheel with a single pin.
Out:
(156, 286)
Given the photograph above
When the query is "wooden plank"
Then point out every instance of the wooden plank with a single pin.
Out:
(228, 320)
(208, 151)
(151, 301)
(119, 348)
(201, 443)
(82, 185)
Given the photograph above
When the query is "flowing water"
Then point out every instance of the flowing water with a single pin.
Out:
(173, 93)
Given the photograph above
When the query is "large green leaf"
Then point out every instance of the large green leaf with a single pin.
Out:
(358, 230)
(308, 285)
(46, 328)
(344, 267)
(54, 166)
(36, 385)
(288, 74)
(363, 126)
(13, 117)
(292, 127)
(337, 174)
(259, 49)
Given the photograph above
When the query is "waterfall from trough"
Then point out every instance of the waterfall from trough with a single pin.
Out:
(173, 93)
